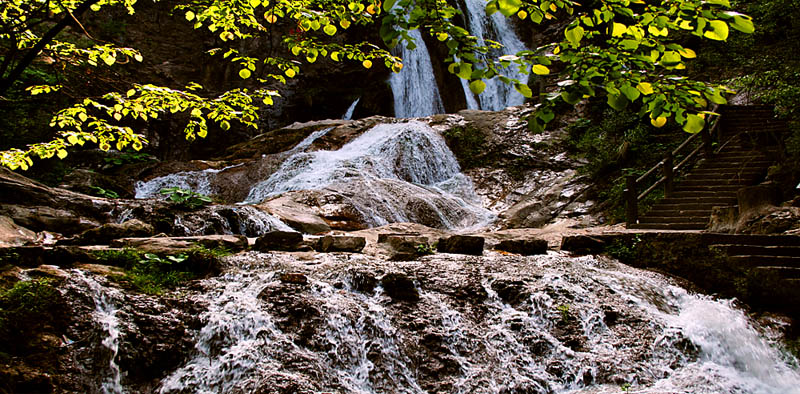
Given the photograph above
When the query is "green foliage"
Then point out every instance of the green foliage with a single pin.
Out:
(153, 274)
(125, 258)
(105, 193)
(185, 198)
(624, 251)
(27, 305)
(619, 50)
(613, 140)
(425, 249)
(563, 309)
(127, 158)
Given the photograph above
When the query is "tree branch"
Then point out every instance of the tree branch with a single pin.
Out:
(46, 39)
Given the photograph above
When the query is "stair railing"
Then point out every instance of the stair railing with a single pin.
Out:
(632, 183)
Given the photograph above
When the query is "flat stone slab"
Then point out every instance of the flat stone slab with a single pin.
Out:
(461, 244)
(234, 243)
(525, 247)
(288, 241)
(340, 243)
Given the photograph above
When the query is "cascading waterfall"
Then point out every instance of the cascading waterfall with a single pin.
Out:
(197, 181)
(388, 163)
(497, 94)
(414, 88)
(105, 314)
(332, 335)
(348, 115)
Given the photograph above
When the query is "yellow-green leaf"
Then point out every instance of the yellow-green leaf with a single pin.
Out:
(290, 72)
(477, 86)
(645, 87)
(61, 154)
(694, 123)
(539, 69)
(244, 73)
(72, 139)
(659, 121)
(189, 15)
(619, 29)
(329, 30)
(367, 63)
(716, 30)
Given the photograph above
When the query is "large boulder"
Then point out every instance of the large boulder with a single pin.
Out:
(12, 234)
(461, 244)
(296, 214)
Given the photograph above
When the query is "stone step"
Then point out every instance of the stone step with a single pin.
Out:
(733, 178)
(662, 212)
(673, 219)
(758, 250)
(668, 226)
(748, 239)
(660, 206)
(765, 261)
(708, 188)
(727, 164)
(716, 201)
(702, 194)
(781, 272)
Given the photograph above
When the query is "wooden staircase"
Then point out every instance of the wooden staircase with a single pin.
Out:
(749, 149)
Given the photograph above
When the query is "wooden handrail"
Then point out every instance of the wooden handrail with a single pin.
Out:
(632, 183)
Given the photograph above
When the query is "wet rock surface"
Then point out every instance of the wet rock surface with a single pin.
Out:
(279, 240)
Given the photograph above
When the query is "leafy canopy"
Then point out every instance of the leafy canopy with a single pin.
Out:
(623, 50)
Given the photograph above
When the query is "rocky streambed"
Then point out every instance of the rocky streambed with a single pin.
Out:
(304, 322)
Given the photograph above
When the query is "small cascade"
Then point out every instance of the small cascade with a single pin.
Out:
(196, 181)
(380, 170)
(237, 342)
(105, 314)
(414, 88)
(497, 94)
(348, 115)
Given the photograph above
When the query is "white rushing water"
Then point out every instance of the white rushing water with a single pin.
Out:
(665, 340)
(381, 170)
(414, 88)
(105, 314)
(348, 115)
(196, 181)
(497, 94)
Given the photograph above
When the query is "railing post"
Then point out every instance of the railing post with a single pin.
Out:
(706, 136)
(632, 200)
(668, 175)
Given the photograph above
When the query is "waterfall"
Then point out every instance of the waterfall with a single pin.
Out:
(380, 171)
(196, 181)
(497, 94)
(105, 314)
(348, 115)
(414, 88)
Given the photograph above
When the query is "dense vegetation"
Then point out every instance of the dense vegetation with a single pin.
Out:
(625, 52)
